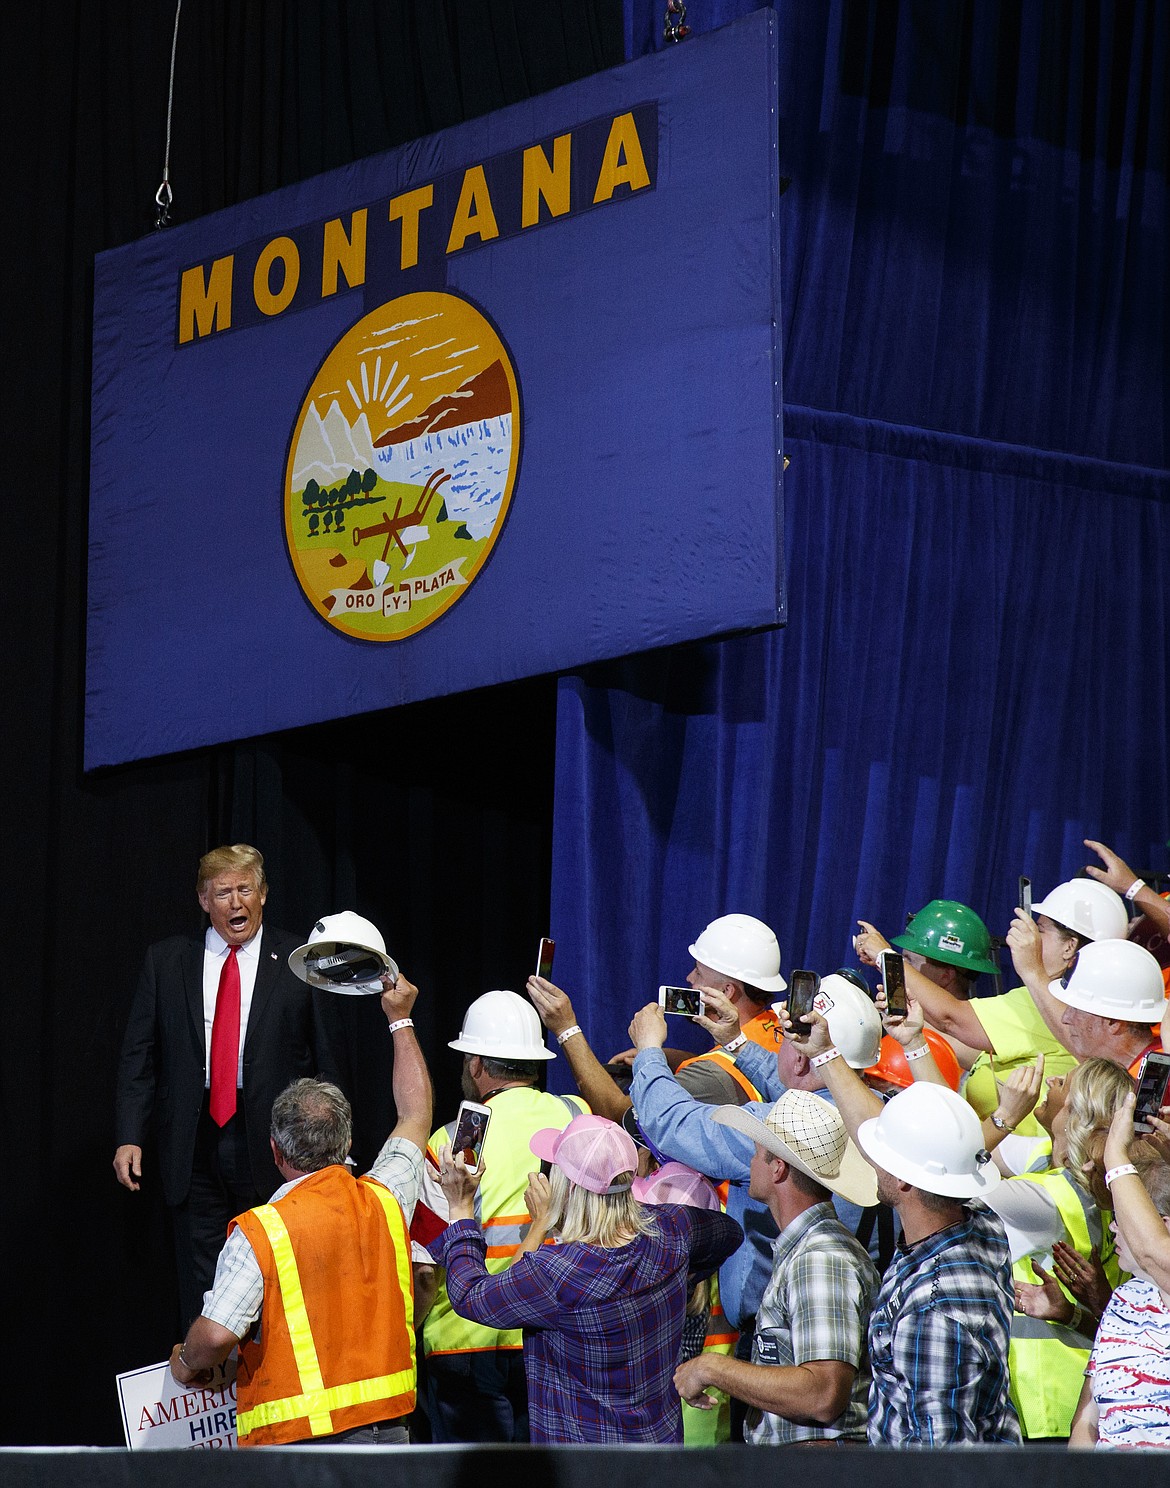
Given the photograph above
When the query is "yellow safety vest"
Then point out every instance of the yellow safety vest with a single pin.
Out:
(706, 1428)
(517, 1114)
(1046, 1361)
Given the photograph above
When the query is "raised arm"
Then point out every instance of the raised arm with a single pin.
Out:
(602, 1094)
(949, 1014)
(413, 1096)
(1120, 877)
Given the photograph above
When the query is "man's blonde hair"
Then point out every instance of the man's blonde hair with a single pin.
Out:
(239, 858)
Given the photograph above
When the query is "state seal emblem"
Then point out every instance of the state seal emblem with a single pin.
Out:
(401, 466)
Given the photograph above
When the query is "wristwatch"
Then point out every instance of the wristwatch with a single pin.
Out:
(999, 1123)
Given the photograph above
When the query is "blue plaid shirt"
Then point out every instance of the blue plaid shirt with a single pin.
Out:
(602, 1327)
(938, 1340)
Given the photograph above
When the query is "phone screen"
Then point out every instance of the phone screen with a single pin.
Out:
(1151, 1092)
(894, 981)
(683, 1002)
(470, 1130)
(1025, 898)
(802, 993)
(544, 958)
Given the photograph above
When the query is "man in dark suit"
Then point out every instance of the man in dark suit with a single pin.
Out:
(218, 1028)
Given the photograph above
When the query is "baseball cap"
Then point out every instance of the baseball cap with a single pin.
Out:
(591, 1151)
(675, 1183)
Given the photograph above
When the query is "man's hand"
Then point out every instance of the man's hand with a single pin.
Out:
(459, 1183)
(554, 1007)
(691, 1379)
(869, 944)
(1023, 940)
(720, 1018)
(184, 1375)
(397, 997)
(128, 1166)
(816, 1041)
(1021, 1090)
(906, 1028)
(648, 1027)
(1116, 874)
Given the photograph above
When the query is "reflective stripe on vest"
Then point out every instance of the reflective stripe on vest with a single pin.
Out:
(1046, 1361)
(517, 1113)
(315, 1401)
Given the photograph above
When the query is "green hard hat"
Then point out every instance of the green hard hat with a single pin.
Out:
(948, 931)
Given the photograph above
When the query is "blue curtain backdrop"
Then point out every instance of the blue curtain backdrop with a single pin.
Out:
(973, 677)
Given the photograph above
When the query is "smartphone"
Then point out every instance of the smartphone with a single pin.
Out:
(544, 958)
(803, 987)
(893, 969)
(1151, 1092)
(685, 1002)
(471, 1126)
(1025, 898)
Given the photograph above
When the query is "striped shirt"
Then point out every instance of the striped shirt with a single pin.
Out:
(601, 1327)
(938, 1340)
(816, 1306)
(1130, 1368)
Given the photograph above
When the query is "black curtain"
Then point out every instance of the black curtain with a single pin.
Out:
(434, 820)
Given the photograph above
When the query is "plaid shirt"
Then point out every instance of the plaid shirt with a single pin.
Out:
(816, 1306)
(237, 1293)
(602, 1327)
(938, 1340)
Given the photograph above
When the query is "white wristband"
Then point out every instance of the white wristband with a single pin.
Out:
(917, 1053)
(1123, 1170)
(736, 1043)
(1135, 889)
(568, 1033)
(402, 1023)
(818, 1059)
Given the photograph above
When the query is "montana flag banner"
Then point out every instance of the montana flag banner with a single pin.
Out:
(498, 403)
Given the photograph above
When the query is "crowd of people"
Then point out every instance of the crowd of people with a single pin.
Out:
(904, 1223)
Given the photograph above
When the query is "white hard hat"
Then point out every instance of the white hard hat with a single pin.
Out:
(855, 1025)
(1089, 908)
(500, 1025)
(345, 953)
(929, 1136)
(740, 946)
(1114, 979)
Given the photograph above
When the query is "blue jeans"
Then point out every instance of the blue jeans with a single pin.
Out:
(477, 1397)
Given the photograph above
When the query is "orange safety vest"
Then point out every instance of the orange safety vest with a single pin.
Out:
(335, 1348)
(764, 1029)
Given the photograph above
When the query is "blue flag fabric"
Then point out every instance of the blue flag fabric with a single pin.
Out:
(499, 403)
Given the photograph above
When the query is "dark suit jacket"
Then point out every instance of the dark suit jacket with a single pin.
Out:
(161, 1072)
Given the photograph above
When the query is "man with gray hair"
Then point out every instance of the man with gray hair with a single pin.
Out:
(315, 1286)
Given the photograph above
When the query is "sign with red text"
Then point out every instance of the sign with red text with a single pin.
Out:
(159, 1414)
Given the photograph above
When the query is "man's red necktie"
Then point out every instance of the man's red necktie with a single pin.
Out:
(225, 1040)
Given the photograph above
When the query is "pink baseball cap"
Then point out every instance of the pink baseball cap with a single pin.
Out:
(591, 1151)
(675, 1183)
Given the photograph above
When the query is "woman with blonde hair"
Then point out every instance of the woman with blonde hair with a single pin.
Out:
(602, 1308)
(1055, 1211)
